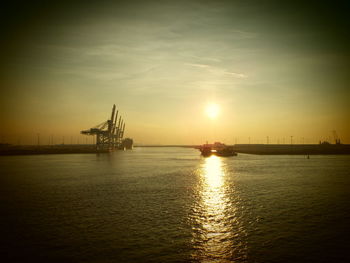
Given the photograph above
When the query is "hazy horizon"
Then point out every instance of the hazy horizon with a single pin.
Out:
(274, 69)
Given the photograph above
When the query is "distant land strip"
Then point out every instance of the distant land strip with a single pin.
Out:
(263, 149)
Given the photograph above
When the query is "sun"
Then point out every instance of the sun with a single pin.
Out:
(212, 110)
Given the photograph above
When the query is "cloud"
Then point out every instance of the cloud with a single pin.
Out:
(217, 70)
(198, 65)
(237, 75)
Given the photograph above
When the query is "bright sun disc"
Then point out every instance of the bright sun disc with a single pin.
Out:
(212, 110)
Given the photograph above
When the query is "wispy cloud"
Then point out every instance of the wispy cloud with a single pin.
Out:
(199, 65)
(237, 75)
(217, 70)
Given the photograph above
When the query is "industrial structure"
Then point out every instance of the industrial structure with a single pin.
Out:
(336, 138)
(109, 134)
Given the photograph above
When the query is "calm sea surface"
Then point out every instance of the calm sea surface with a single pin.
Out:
(172, 205)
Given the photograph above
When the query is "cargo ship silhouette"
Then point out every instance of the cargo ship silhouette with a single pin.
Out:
(217, 148)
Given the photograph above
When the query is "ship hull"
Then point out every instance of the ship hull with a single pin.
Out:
(217, 149)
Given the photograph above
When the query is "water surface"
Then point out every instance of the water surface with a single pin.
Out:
(172, 205)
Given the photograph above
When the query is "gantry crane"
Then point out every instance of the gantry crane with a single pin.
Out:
(109, 135)
(336, 138)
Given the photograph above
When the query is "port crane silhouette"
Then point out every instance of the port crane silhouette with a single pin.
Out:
(336, 138)
(109, 134)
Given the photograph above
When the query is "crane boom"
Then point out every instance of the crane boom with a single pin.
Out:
(108, 134)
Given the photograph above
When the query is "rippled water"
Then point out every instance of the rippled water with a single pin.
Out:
(171, 205)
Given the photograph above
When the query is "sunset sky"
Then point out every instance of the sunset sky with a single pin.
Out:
(273, 69)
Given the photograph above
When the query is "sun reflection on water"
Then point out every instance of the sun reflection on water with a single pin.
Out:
(213, 172)
(214, 223)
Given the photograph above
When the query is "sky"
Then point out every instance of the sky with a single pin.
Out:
(273, 68)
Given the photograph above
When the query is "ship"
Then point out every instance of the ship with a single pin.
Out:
(127, 144)
(217, 148)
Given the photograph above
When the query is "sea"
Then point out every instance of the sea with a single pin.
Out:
(163, 204)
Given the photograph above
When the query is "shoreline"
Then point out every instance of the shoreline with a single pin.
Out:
(259, 149)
